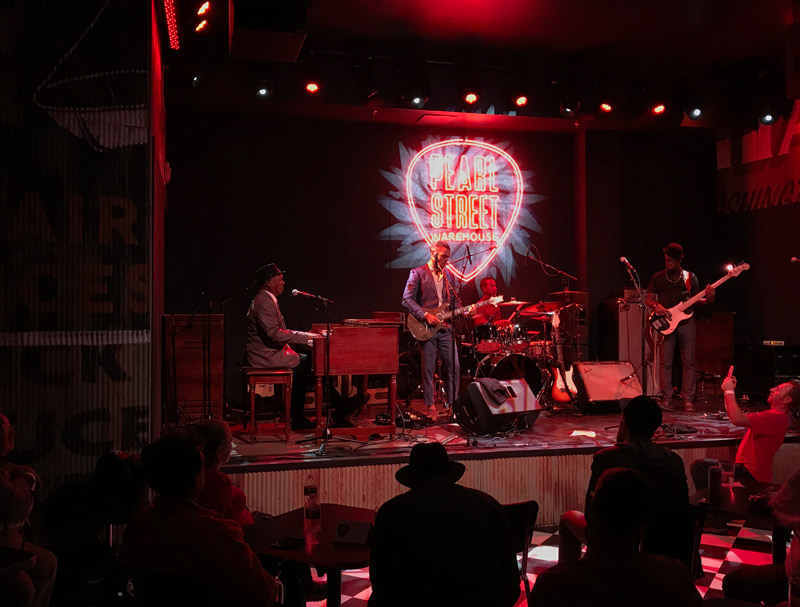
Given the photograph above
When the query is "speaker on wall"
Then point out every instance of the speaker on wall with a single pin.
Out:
(475, 411)
(601, 384)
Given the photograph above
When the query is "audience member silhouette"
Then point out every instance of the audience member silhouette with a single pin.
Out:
(614, 572)
(770, 583)
(18, 487)
(441, 543)
(177, 549)
(662, 468)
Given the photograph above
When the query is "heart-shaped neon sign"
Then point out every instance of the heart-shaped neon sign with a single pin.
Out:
(462, 191)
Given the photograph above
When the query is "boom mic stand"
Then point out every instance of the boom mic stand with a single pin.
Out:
(452, 296)
(640, 301)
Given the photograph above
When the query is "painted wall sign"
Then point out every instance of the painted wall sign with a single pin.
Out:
(468, 193)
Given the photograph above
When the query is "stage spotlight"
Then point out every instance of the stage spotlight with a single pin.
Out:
(606, 108)
(197, 79)
(569, 107)
(768, 116)
(201, 26)
(658, 109)
(264, 89)
(471, 97)
(694, 112)
(521, 100)
(204, 8)
(312, 87)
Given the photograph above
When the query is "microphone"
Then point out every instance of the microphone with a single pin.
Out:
(626, 262)
(297, 293)
(794, 260)
(469, 257)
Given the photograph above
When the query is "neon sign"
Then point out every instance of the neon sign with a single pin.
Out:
(465, 191)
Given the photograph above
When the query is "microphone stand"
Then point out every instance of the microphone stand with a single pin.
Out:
(640, 301)
(452, 297)
(327, 377)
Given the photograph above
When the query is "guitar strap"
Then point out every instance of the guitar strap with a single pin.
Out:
(687, 280)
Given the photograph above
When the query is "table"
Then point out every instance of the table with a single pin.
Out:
(735, 501)
(12, 559)
(329, 554)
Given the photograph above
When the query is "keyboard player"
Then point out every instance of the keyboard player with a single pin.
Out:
(269, 342)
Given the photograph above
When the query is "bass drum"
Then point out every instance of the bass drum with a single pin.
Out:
(512, 366)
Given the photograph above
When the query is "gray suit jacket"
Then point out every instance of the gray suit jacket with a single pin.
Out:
(268, 338)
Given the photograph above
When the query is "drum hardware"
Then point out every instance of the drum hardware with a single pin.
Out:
(514, 302)
(511, 366)
(487, 338)
(541, 309)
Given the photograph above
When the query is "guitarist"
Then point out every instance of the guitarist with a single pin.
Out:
(668, 288)
(428, 287)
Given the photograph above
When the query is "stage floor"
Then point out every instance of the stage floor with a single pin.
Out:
(555, 432)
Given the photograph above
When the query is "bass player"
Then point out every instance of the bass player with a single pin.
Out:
(667, 288)
(430, 286)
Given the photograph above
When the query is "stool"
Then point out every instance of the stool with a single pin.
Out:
(252, 377)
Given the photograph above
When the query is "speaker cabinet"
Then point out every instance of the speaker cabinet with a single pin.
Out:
(476, 412)
(602, 385)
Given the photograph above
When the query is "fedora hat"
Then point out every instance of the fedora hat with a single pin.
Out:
(673, 250)
(427, 459)
(264, 273)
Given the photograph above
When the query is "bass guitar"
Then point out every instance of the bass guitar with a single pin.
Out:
(422, 331)
(668, 322)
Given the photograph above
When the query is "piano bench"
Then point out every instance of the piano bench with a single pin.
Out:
(251, 377)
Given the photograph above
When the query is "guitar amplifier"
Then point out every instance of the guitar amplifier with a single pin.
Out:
(605, 386)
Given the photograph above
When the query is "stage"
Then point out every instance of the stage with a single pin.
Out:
(549, 462)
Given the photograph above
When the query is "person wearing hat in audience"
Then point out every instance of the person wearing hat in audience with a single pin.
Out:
(441, 543)
(269, 342)
(668, 288)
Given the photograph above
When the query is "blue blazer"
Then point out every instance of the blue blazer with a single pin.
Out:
(420, 291)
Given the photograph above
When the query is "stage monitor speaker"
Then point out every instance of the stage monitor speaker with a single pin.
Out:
(603, 385)
(476, 412)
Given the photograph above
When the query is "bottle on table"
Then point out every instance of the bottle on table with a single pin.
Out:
(312, 512)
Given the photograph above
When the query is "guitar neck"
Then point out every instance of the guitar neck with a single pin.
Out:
(697, 297)
(469, 308)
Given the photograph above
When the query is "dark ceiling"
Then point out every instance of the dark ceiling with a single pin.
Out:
(372, 49)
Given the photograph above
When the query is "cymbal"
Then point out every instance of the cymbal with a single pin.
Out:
(514, 302)
(568, 292)
(543, 307)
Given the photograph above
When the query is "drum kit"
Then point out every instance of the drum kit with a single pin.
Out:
(524, 346)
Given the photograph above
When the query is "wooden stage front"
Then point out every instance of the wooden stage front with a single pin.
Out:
(549, 462)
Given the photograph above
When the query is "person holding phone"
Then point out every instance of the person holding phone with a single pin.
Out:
(766, 431)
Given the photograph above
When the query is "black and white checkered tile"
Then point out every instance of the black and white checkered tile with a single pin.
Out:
(720, 554)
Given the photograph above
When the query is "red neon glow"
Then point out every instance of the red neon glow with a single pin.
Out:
(606, 107)
(659, 109)
(312, 87)
(470, 98)
(204, 8)
(201, 25)
(172, 25)
(521, 100)
(465, 198)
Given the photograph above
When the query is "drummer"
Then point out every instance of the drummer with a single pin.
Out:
(488, 313)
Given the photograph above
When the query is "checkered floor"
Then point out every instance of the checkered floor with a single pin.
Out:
(720, 553)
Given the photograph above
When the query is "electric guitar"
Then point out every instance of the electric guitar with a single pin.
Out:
(563, 389)
(422, 331)
(667, 323)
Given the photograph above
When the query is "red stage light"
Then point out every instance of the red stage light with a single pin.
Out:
(471, 98)
(521, 100)
(204, 8)
(659, 109)
(606, 107)
(312, 87)
(201, 25)
(172, 25)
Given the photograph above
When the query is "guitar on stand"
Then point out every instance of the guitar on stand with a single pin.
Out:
(666, 323)
(422, 331)
(563, 389)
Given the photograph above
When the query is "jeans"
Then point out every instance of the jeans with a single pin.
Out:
(571, 536)
(685, 336)
(441, 343)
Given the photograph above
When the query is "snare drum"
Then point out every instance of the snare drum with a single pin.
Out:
(515, 338)
(512, 366)
(540, 350)
(486, 338)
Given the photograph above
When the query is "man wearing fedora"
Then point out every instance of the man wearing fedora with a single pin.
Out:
(268, 340)
(668, 288)
(441, 543)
